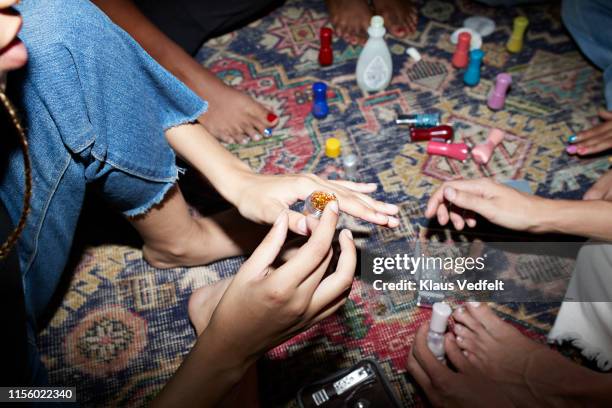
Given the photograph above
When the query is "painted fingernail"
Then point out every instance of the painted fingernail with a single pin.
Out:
(572, 139)
(571, 149)
(267, 132)
(450, 193)
(333, 205)
(271, 117)
(582, 150)
(302, 227)
(474, 304)
(348, 234)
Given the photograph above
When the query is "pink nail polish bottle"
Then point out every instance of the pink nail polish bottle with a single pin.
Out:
(482, 153)
(437, 327)
(459, 151)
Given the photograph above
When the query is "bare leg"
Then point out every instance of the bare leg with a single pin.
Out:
(530, 373)
(173, 236)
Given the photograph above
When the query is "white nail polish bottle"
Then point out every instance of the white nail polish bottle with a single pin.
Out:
(437, 328)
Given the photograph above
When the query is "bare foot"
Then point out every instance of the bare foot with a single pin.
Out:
(235, 117)
(496, 348)
(350, 18)
(203, 302)
(602, 190)
(400, 16)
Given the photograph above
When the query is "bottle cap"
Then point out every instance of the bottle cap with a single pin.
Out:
(521, 21)
(414, 54)
(326, 33)
(332, 147)
(480, 24)
(377, 22)
(439, 317)
(349, 161)
(476, 41)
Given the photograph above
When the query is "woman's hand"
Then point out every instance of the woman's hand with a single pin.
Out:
(264, 306)
(457, 201)
(264, 197)
(595, 140)
(12, 51)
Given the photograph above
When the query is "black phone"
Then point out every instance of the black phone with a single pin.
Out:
(361, 386)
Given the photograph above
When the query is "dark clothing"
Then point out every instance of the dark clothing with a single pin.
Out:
(190, 23)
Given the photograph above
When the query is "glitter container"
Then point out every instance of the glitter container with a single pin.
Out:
(315, 203)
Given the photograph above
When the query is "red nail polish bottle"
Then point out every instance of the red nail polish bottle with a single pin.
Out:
(326, 53)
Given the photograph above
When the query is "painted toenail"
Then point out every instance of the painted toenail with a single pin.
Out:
(474, 304)
(465, 353)
(267, 132)
(460, 339)
(460, 310)
(458, 328)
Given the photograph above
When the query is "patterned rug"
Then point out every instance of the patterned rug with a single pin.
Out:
(121, 329)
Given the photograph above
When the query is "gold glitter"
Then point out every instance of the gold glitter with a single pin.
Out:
(319, 199)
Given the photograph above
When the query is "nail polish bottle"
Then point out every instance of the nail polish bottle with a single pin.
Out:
(437, 327)
(350, 167)
(482, 153)
(442, 133)
(315, 203)
(459, 151)
(419, 120)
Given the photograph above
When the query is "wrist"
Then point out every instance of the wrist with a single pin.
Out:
(542, 216)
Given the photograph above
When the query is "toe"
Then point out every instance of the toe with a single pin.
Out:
(463, 316)
(486, 316)
(463, 331)
(468, 344)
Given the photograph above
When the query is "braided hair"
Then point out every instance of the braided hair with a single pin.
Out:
(10, 242)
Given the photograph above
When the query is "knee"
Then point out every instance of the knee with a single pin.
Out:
(569, 13)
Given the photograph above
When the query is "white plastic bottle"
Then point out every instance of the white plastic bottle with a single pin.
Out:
(437, 327)
(374, 67)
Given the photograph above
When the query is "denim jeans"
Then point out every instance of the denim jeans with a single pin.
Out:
(590, 23)
(95, 107)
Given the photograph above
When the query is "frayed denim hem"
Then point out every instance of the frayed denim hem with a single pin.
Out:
(143, 209)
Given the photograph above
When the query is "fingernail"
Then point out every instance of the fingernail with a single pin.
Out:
(450, 193)
(302, 227)
(333, 205)
(392, 207)
(348, 234)
(393, 220)
(571, 149)
(572, 139)
(373, 185)
(271, 117)
(582, 150)
(267, 132)
(474, 304)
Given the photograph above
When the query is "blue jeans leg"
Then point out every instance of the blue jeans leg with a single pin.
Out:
(590, 23)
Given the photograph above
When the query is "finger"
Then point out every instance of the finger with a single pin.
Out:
(594, 132)
(431, 365)
(420, 376)
(436, 199)
(602, 138)
(341, 280)
(442, 213)
(457, 220)
(265, 254)
(356, 207)
(11, 22)
(358, 187)
(311, 254)
(596, 148)
(307, 287)
(605, 115)
(469, 201)
(455, 355)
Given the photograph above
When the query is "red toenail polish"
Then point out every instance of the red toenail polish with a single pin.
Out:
(271, 117)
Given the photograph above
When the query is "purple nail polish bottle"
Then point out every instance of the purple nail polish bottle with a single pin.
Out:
(497, 97)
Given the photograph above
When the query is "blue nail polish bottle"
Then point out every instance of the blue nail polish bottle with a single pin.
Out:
(319, 105)
(472, 75)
